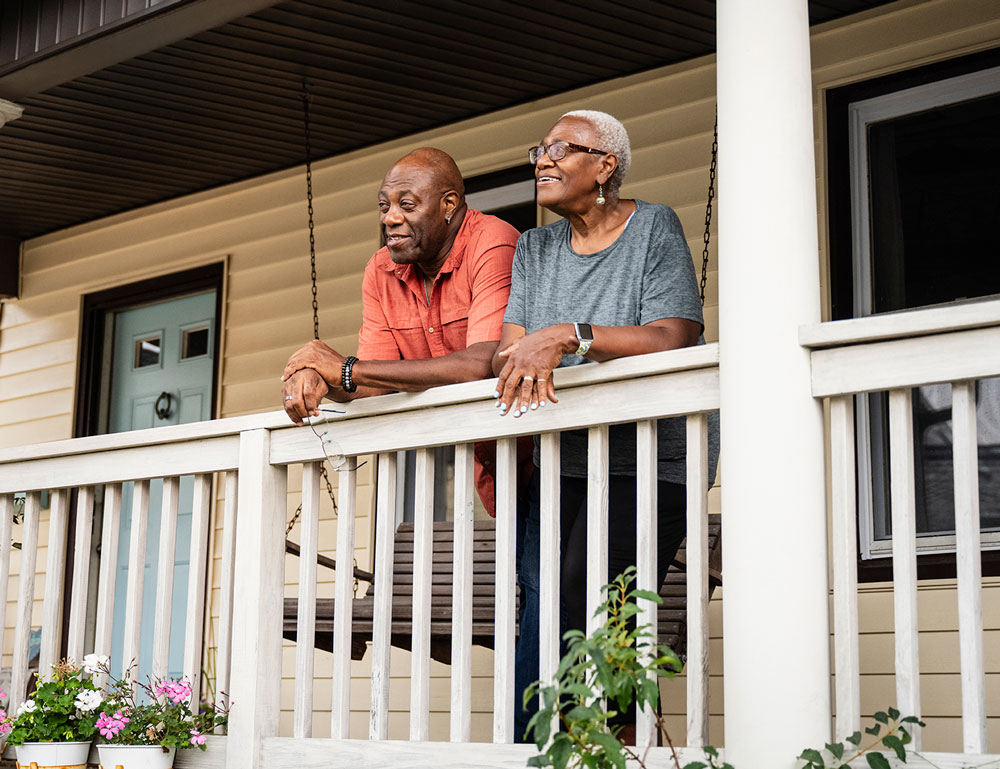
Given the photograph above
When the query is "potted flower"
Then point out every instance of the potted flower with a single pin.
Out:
(54, 727)
(142, 725)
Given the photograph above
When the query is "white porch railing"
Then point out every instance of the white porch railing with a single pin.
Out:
(253, 455)
(894, 353)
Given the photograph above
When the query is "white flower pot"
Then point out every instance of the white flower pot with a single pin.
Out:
(53, 755)
(135, 757)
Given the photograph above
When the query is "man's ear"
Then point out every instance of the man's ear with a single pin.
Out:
(450, 201)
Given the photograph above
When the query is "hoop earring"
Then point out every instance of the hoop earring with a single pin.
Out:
(600, 195)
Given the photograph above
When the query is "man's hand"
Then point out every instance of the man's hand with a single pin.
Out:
(321, 358)
(302, 392)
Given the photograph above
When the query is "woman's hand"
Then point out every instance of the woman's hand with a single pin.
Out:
(526, 379)
(318, 356)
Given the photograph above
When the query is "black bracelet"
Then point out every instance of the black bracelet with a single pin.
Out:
(346, 380)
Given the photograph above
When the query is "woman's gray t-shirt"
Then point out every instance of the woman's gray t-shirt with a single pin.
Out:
(643, 276)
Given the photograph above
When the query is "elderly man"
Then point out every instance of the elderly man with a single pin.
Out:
(433, 299)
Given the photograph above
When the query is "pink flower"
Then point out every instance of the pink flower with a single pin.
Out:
(176, 691)
(197, 738)
(109, 726)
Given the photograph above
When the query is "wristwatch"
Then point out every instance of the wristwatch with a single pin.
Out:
(585, 336)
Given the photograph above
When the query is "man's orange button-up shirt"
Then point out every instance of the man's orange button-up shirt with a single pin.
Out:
(466, 306)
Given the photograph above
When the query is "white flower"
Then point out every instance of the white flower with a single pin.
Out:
(28, 706)
(92, 663)
(88, 700)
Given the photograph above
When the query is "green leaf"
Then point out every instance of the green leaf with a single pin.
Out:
(581, 713)
(541, 760)
(646, 595)
(873, 730)
(896, 744)
(877, 761)
(854, 739)
(696, 765)
(893, 714)
(611, 746)
(561, 750)
(710, 750)
(836, 749)
(881, 717)
(813, 757)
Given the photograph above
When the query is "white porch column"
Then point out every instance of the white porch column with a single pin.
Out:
(775, 613)
(9, 111)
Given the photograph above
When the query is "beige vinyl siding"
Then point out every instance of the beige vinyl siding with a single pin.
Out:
(258, 226)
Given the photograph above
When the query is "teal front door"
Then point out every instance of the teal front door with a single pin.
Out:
(161, 374)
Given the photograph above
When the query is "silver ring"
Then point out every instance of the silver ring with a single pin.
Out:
(289, 398)
(541, 380)
(528, 378)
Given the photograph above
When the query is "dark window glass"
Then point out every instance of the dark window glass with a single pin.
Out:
(194, 343)
(147, 352)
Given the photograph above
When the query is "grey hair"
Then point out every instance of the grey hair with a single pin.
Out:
(613, 138)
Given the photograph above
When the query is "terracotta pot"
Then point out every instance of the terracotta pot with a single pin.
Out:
(53, 755)
(135, 757)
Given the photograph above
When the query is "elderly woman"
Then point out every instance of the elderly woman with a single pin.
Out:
(613, 278)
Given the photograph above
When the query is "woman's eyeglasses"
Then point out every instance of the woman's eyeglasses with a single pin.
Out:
(557, 151)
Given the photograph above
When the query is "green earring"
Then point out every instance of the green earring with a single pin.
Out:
(600, 195)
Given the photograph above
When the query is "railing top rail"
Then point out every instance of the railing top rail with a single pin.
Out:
(899, 325)
(701, 357)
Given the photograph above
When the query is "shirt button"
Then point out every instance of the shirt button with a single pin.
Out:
(431, 329)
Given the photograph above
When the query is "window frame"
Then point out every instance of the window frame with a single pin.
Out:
(883, 98)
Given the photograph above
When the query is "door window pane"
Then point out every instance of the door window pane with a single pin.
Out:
(147, 352)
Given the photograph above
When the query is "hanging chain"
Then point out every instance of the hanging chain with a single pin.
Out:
(708, 208)
(306, 96)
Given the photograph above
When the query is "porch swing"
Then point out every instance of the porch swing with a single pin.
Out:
(671, 619)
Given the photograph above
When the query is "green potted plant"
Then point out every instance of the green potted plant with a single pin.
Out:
(55, 726)
(143, 725)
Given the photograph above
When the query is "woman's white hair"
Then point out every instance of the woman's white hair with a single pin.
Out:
(613, 138)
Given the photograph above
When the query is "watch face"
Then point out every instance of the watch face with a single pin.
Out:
(585, 332)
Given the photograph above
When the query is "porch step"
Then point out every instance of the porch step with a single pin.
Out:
(672, 613)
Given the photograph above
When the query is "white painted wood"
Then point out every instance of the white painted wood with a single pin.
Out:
(55, 571)
(196, 598)
(385, 529)
(81, 571)
(597, 523)
(25, 600)
(136, 574)
(423, 549)
(108, 571)
(968, 566)
(549, 559)
(904, 554)
(210, 455)
(646, 538)
(6, 545)
(503, 656)
(769, 286)
(685, 359)
(223, 659)
(340, 717)
(288, 753)
(696, 670)
(972, 354)
(845, 566)
(461, 606)
(656, 396)
(257, 621)
(305, 627)
(898, 325)
(165, 577)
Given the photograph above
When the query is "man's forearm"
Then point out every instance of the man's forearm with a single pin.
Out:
(466, 365)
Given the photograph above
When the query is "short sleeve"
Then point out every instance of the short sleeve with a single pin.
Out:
(490, 290)
(669, 287)
(375, 340)
(516, 304)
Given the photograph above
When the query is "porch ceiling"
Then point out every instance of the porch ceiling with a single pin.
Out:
(226, 104)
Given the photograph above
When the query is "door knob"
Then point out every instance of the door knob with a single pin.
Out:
(163, 411)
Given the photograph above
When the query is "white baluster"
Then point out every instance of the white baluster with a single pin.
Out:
(193, 629)
(697, 580)
(646, 539)
(136, 575)
(305, 625)
(25, 599)
(55, 572)
(109, 571)
(385, 530)
(969, 568)
(597, 523)
(340, 716)
(461, 611)
(165, 577)
(503, 657)
(423, 546)
(223, 658)
(81, 572)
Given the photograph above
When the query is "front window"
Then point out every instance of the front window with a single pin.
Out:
(924, 207)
